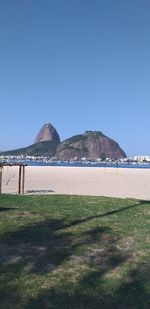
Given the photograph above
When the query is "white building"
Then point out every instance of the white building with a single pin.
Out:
(142, 158)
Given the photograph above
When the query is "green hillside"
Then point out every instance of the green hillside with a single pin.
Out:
(39, 149)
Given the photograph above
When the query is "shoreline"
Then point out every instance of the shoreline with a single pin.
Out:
(97, 181)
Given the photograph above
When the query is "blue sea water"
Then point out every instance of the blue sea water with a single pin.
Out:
(83, 164)
(88, 164)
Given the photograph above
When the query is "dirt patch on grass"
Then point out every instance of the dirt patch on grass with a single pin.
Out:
(126, 243)
(25, 214)
(100, 257)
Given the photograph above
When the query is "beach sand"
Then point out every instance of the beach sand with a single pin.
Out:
(131, 183)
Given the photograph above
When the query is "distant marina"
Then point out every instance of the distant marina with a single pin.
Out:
(44, 161)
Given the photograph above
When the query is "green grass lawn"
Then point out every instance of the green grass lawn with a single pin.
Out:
(74, 252)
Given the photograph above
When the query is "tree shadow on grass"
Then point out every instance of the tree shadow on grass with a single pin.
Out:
(43, 247)
(112, 212)
(7, 208)
(91, 293)
(36, 245)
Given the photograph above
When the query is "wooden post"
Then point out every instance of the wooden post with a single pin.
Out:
(1, 169)
(23, 179)
(19, 183)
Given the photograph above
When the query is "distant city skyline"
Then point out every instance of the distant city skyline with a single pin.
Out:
(80, 65)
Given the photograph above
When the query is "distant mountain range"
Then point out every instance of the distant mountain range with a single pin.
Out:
(91, 144)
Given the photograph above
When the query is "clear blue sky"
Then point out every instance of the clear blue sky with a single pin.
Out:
(79, 64)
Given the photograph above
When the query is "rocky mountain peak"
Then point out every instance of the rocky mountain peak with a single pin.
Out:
(47, 133)
(92, 145)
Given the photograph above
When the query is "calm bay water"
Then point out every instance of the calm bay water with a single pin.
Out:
(87, 164)
(82, 164)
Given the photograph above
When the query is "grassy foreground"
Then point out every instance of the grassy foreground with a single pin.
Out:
(74, 252)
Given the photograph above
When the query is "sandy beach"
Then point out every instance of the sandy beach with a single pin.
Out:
(131, 183)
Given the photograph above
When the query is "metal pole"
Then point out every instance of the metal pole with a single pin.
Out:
(1, 169)
(19, 183)
(23, 179)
